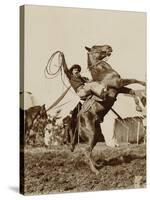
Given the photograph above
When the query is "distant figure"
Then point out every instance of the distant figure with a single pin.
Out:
(67, 130)
(47, 135)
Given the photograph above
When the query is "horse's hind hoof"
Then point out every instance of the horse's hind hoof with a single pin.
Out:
(97, 172)
(117, 145)
(72, 148)
(100, 164)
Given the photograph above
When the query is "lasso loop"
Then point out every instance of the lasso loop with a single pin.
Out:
(51, 75)
(48, 72)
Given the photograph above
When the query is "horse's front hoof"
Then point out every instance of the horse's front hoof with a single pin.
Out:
(138, 108)
(144, 83)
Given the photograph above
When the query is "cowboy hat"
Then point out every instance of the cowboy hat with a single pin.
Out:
(75, 67)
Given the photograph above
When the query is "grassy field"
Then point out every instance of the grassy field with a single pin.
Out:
(59, 170)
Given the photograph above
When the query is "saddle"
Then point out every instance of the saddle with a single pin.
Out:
(88, 102)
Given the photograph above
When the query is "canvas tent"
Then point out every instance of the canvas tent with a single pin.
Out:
(131, 128)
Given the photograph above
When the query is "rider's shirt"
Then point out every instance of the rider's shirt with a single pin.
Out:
(76, 82)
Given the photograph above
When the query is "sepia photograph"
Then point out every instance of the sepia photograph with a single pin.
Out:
(82, 100)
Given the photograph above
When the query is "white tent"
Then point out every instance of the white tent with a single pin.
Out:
(125, 107)
(27, 100)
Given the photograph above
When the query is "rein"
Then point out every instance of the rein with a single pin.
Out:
(94, 65)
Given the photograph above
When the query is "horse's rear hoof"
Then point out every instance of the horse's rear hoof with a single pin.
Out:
(100, 164)
(97, 172)
(117, 145)
(72, 148)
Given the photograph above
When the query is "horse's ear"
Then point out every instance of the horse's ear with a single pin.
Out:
(88, 49)
(43, 107)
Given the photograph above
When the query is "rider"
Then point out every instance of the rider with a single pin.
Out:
(82, 86)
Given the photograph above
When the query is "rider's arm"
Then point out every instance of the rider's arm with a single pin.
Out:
(66, 70)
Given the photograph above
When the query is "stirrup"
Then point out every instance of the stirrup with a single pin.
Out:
(86, 97)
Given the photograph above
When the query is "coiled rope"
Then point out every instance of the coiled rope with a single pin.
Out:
(48, 71)
(53, 74)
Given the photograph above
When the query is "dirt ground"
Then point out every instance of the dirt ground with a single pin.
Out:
(57, 170)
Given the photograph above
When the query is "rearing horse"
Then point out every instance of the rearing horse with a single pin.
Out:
(89, 121)
(101, 71)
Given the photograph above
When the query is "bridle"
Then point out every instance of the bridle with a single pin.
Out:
(95, 64)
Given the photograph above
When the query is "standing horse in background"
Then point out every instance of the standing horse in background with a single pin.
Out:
(35, 118)
(88, 124)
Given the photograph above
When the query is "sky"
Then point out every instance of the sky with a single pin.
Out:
(48, 29)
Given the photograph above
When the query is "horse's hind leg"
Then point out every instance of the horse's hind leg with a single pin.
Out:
(98, 138)
(92, 142)
(88, 154)
(74, 141)
(87, 151)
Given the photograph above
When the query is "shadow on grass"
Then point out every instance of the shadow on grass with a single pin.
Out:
(119, 160)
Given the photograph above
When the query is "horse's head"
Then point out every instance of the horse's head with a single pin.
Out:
(98, 52)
